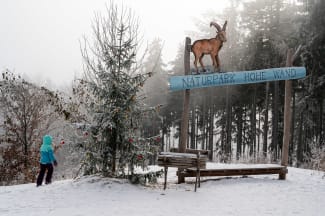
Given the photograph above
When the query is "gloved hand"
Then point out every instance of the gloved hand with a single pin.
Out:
(55, 163)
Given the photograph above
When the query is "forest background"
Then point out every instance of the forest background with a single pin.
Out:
(237, 123)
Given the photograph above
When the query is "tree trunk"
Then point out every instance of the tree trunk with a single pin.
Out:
(228, 125)
(204, 123)
(113, 144)
(275, 122)
(258, 134)
(222, 137)
(196, 132)
(193, 134)
(239, 132)
(164, 132)
(300, 141)
(253, 125)
(244, 143)
(211, 127)
(266, 120)
(320, 127)
(291, 143)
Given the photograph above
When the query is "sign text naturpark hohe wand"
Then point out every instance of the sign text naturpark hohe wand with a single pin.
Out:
(234, 78)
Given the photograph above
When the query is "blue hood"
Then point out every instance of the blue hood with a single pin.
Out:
(46, 151)
(47, 143)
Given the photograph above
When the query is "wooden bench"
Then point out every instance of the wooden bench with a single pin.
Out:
(193, 151)
(182, 161)
(190, 172)
(194, 165)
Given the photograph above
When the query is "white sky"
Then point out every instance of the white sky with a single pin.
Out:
(40, 38)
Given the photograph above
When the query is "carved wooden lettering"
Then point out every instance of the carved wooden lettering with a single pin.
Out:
(234, 78)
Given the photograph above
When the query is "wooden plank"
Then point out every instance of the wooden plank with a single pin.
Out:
(193, 151)
(191, 172)
(234, 78)
(287, 116)
(181, 160)
(186, 104)
(181, 165)
(176, 154)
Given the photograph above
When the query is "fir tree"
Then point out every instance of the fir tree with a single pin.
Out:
(110, 89)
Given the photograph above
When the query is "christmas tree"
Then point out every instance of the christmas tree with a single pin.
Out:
(110, 91)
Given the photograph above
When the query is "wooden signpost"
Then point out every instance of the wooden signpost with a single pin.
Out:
(235, 78)
(189, 81)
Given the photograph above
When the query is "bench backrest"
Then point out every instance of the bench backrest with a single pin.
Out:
(181, 160)
(193, 151)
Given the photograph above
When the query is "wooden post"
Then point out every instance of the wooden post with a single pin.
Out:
(287, 116)
(198, 179)
(186, 105)
(165, 177)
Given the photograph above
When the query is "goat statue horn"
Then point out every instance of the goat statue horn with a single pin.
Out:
(215, 25)
(224, 26)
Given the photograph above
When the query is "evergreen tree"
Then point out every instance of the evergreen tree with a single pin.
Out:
(172, 111)
(155, 89)
(110, 89)
(270, 33)
(310, 135)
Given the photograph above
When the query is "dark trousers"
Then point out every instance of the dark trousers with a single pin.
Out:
(44, 168)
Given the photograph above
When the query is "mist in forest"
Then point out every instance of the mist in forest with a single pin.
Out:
(53, 54)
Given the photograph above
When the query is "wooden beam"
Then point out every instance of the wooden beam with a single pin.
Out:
(193, 151)
(191, 172)
(235, 78)
(186, 103)
(287, 115)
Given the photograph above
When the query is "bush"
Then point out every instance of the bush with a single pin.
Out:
(17, 167)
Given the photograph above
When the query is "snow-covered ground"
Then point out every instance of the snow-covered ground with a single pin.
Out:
(303, 193)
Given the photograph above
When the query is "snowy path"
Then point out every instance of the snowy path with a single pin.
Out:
(303, 193)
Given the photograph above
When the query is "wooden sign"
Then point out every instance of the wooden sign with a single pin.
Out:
(234, 78)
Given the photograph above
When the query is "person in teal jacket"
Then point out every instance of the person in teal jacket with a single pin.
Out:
(47, 161)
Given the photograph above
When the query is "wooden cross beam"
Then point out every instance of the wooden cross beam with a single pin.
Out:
(234, 78)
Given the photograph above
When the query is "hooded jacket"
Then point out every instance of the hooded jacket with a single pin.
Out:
(46, 151)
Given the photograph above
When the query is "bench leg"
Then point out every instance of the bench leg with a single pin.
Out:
(283, 174)
(165, 172)
(199, 178)
(196, 179)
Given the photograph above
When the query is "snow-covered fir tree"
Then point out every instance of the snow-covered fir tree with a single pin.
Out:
(110, 90)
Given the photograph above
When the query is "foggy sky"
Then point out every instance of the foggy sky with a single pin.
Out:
(40, 38)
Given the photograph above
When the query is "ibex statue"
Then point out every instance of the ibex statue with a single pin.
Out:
(210, 46)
